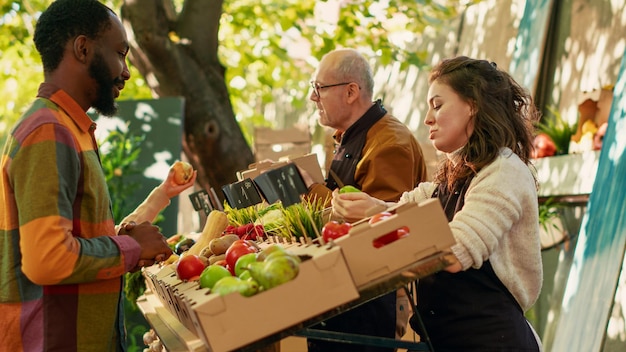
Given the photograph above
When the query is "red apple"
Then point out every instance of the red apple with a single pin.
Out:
(182, 172)
(236, 250)
(189, 267)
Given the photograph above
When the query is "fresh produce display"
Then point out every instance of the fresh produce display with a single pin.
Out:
(227, 247)
(245, 275)
(304, 219)
(391, 236)
(212, 274)
(252, 250)
(247, 232)
(242, 263)
(231, 284)
(182, 172)
(252, 214)
(216, 223)
(335, 229)
(267, 251)
(277, 268)
(300, 220)
(189, 267)
(236, 250)
(252, 271)
(214, 258)
(219, 245)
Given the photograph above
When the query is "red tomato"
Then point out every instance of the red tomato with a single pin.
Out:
(334, 229)
(391, 236)
(236, 250)
(189, 266)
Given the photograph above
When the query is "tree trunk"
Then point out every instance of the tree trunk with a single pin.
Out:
(177, 55)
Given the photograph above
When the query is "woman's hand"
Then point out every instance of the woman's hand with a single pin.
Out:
(171, 188)
(355, 206)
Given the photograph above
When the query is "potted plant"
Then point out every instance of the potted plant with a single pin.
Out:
(552, 231)
(558, 130)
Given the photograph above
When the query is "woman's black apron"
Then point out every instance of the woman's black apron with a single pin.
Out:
(470, 310)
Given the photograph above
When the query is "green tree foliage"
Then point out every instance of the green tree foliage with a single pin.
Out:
(237, 63)
(20, 65)
(268, 47)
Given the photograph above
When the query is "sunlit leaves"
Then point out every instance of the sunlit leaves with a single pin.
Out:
(274, 46)
(269, 47)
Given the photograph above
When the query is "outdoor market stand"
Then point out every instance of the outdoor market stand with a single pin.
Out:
(338, 276)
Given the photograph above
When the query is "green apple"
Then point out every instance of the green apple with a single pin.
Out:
(212, 274)
(348, 189)
(242, 263)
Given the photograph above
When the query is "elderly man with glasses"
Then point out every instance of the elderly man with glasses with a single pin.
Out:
(377, 154)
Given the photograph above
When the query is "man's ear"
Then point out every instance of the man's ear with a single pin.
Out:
(80, 48)
(353, 92)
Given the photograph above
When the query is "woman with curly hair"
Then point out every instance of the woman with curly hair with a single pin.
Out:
(482, 120)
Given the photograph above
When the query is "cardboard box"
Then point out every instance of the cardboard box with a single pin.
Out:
(149, 274)
(169, 290)
(273, 144)
(225, 323)
(167, 286)
(308, 163)
(429, 234)
(166, 280)
(153, 274)
(180, 307)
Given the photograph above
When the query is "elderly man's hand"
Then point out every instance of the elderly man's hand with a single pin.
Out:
(355, 206)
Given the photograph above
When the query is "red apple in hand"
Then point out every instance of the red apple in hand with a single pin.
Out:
(182, 172)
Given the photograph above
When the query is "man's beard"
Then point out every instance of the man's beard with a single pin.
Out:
(105, 101)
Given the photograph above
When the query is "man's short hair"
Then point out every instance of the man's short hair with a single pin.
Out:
(64, 20)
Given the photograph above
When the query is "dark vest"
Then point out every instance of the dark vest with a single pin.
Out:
(378, 316)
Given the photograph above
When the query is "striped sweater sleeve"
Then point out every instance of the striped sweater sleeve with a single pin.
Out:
(64, 232)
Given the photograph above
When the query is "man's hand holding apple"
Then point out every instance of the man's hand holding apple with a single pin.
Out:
(353, 206)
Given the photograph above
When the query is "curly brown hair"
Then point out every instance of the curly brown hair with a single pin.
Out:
(503, 115)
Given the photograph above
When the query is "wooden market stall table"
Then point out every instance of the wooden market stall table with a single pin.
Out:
(176, 338)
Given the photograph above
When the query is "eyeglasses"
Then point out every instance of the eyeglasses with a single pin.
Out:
(316, 87)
